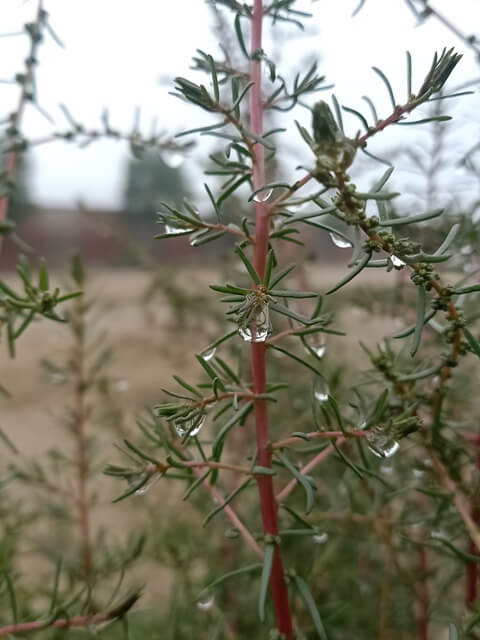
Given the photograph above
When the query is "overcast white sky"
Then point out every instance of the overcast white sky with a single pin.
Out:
(117, 50)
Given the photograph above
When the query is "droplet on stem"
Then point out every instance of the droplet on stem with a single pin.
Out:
(397, 262)
(205, 605)
(320, 389)
(381, 443)
(258, 329)
(262, 196)
(190, 427)
(339, 241)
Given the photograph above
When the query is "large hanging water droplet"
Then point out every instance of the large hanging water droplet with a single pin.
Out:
(320, 389)
(258, 329)
(172, 159)
(320, 538)
(208, 354)
(381, 443)
(262, 196)
(397, 262)
(190, 427)
(317, 343)
(339, 241)
(205, 605)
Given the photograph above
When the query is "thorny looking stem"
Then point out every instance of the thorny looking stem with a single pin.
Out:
(11, 158)
(265, 483)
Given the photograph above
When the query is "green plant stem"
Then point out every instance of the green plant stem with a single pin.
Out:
(268, 503)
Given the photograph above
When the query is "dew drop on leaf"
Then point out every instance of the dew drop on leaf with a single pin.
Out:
(339, 242)
(320, 389)
(190, 427)
(262, 196)
(208, 354)
(205, 605)
(396, 261)
(317, 343)
(320, 538)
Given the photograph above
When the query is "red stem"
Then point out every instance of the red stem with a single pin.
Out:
(268, 503)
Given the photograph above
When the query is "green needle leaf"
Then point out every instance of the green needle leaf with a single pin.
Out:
(265, 579)
(311, 606)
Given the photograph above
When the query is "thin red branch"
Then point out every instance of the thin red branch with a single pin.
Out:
(287, 490)
(231, 515)
(70, 623)
(268, 503)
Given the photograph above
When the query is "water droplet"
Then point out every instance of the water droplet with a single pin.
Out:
(438, 535)
(232, 533)
(339, 241)
(396, 261)
(320, 538)
(381, 443)
(197, 236)
(320, 389)
(258, 329)
(137, 479)
(173, 159)
(468, 267)
(418, 473)
(120, 385)
(205, 605)
(262, 196)
(208, 354)
(466, 250)
(191, 426)
(317, 343)
(57, 378)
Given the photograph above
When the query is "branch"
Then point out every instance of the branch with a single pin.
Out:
(287, 490)
(70, 623)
